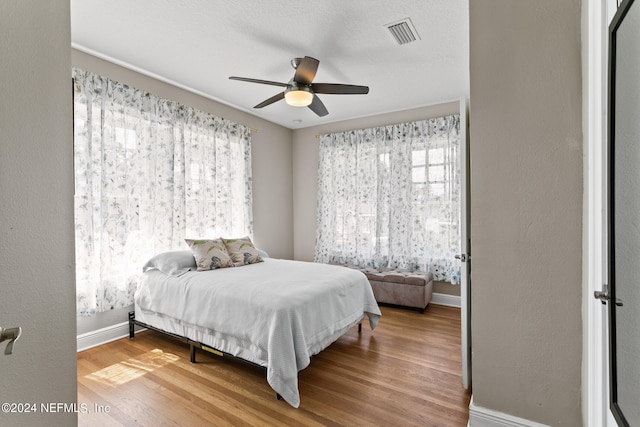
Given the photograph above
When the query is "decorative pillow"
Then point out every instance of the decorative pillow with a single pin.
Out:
(173, 263)
(242, 251)
(209, 254)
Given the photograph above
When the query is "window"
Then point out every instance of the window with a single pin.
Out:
(148, 173)
(389, 198)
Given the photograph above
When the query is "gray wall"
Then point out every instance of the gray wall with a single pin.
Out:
(37, 279)
(526, 208)
(271, 167)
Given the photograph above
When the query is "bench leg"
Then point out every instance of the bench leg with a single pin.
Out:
(192, 353)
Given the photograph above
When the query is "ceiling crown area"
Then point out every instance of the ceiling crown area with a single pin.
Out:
(409, 53)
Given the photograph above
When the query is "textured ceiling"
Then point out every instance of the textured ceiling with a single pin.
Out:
(198, 44)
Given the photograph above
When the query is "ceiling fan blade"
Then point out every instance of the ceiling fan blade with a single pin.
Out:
(318, 107)
(271, 100)
(306, 71)
(339, 89)
(264, 82)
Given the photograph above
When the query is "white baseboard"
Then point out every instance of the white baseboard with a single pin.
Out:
(483, 417)
(103, 336)
(445, 299)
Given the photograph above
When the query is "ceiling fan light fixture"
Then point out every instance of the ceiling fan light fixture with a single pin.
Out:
(299, 97)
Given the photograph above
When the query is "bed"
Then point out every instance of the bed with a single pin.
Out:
(275, 314)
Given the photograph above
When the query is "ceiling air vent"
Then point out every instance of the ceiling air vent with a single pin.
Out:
(403, 31)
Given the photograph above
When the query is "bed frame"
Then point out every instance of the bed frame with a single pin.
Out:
(193, 345)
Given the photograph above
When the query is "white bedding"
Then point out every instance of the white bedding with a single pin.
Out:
(276, 313)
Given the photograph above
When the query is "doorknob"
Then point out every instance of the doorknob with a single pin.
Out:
(463, 257)
(603, 296)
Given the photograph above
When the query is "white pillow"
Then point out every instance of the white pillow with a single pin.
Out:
(173, 263)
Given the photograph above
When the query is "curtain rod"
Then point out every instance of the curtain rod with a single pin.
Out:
(317, 136)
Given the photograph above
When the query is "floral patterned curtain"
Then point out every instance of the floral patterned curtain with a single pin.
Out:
(389, 198)
(149, 173)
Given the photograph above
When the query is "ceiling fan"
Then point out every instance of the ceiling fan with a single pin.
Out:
(301, 92)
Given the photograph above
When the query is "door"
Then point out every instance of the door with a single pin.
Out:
(465, 246)
(623, 292)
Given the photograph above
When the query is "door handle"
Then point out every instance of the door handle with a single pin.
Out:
(463, 257)
(11, 334)
(603, 296)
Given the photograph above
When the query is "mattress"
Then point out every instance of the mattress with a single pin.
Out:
(276, 313)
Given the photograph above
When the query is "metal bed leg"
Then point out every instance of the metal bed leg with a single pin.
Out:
(360, 327)
(132, 316)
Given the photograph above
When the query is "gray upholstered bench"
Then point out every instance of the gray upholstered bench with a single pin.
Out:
(400, 288)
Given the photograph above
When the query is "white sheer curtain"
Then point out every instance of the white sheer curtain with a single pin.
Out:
(149, 173)
(389, 198)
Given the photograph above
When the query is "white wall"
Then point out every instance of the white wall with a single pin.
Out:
(37, 279)
(526, 208)
(271, 167)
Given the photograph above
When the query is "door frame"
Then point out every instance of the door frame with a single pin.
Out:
(465, 244)
(595, 361)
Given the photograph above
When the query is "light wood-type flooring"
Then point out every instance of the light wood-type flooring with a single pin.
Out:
(404, 373)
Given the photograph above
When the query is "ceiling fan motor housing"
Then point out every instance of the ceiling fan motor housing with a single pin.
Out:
(293, 86)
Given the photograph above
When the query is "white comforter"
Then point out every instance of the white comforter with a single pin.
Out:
(276, 313)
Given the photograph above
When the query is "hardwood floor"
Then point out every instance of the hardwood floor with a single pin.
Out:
(406, 372)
